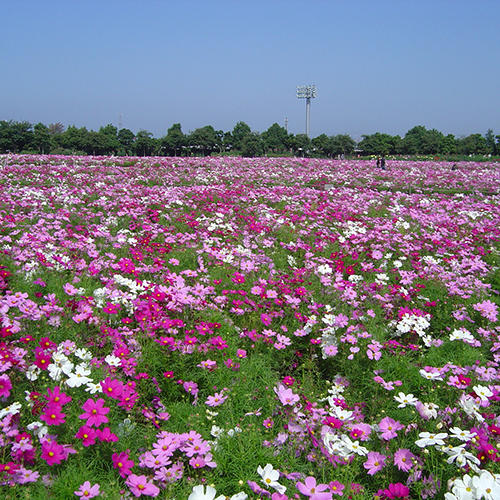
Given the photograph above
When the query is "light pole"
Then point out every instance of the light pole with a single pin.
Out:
(307, 92)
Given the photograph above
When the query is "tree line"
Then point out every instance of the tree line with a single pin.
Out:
(17, 137)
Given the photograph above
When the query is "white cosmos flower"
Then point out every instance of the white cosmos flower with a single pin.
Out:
(32, 373)
(55, 371)
(83, 354)
(198, 493)
(38, 428)
(431, 375)
(470, 407)
(460, 455)
(428, 439)
(67, 367)
(405, 400)
(458, 433)
(216, 431)
(324, 269)
(487, 485)
(463, 489)
(270, 478)
(12, 409)
(93, 388)
(79, 377)
(354, 446)
(483, 392)
(113, 360)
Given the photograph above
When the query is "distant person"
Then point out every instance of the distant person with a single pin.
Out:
(454, 167)
(382, 162)
(378, 161)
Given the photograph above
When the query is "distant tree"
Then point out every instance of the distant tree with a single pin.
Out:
(126, 139)
(472, 144)
(95, 143)
(432, 142)
(77, 140)
(109, 134)
(144, 143)
(15, 136)
(322, 144)
(342, 144)
(56, 128)
(240, 131)
(275, 139)
(227, 141)
(490, 141)
(5, 137)
(414, 139)
(174, 141)
(301, 145)
(377, 144)
(252, 145)
(203, 140)
(41, 138)
(449, 144)
(219, 143)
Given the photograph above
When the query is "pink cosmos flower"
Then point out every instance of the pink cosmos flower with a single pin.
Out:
(286, 396)
(197, 462)
(488, 310)
(374, 463)
(388, 428)
(268, 423)
(27, 476)
(314, 491)
(216, 400)
(403, 459)
(191, 388)
(139, 485)
(336, 488)
(70, 289)
(87, 491)
(95, 412)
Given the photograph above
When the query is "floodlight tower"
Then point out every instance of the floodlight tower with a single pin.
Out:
(307, 92)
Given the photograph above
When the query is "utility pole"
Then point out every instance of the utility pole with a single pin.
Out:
(286, 124)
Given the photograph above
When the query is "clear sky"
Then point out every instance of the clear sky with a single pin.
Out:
(378, 65)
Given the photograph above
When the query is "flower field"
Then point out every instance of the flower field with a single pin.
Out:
(200, 328)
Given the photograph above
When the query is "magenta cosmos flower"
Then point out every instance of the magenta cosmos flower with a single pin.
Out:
(53, 453)
(57, 397)
(122, 463)
(395, 490)
(53, 415)
(95, 412)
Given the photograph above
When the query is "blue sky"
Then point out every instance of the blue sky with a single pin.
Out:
(377, 65)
